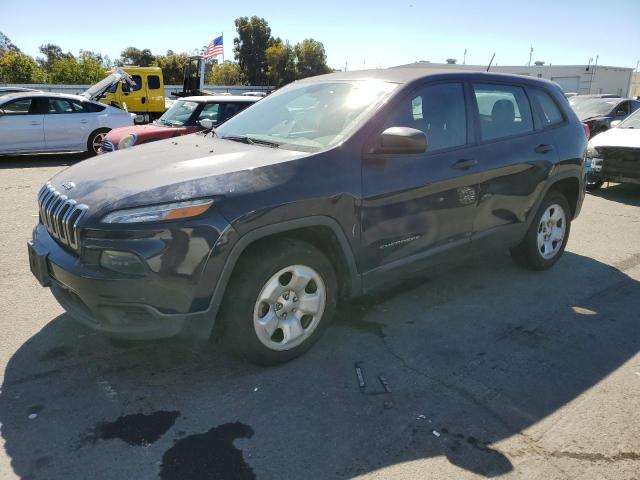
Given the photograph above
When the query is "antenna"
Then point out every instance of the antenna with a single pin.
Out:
(492, 57)
(530, 54)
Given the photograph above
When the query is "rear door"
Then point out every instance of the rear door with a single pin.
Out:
(516, 156)
(67, 125)
(21, 126)
(415, 206)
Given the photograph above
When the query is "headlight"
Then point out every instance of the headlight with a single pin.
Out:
(159, 213)
(591, 152)
(127, 141)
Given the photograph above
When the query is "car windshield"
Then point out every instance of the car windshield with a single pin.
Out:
(632, 121)
(308, 116)
(593, 107)
(179, 113)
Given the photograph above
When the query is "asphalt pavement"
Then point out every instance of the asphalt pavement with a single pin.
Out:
(486, 370)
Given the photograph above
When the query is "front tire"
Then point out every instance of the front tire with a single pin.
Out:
(95, 139)
(280, 299)
(546, 239)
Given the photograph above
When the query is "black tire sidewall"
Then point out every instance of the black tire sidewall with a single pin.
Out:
(253, 271)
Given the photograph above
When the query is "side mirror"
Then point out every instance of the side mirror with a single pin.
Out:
(401, 141)
(206, 123)
(615, 123)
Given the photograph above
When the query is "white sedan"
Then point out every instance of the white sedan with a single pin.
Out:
(34, 122)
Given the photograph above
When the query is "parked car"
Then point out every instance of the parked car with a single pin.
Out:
(574, 99)
(600, 114)
(182, 118)
(329, 188)
(8, 90)
(614, 156)
(34, 122)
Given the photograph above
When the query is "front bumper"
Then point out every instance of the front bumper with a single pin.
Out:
(170, 300)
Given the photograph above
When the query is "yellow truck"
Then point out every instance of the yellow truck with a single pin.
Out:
(138, 90)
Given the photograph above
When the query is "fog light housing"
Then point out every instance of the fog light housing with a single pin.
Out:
(122, 262)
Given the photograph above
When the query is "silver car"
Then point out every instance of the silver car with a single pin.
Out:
(34, 122)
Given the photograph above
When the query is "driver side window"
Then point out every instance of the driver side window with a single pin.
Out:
(438, 111)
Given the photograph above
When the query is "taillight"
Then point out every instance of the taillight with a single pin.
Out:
(587, 130)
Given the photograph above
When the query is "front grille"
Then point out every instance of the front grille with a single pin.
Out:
(60, 215)
(107, 146)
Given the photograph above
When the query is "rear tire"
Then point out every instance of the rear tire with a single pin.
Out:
(546, 239)
(281, 297)
(95, 139)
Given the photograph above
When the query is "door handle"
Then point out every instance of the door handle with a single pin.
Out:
(34, 123)
(464, 164)
(543, 148)
(144, 99)
(84, 120)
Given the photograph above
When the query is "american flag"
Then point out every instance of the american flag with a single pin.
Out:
(215, 48)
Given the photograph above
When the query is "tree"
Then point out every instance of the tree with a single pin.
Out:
(16, 67)
(225, 74)
(172, 65)
(311, 57)
(134, 56)
(281, 63)
(92, 67)
(254, 37)
(51, 53)
(7, 45)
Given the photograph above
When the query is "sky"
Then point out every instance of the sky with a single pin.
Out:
(355, 33)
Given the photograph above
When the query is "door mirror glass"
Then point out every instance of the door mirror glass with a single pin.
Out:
(401, 141)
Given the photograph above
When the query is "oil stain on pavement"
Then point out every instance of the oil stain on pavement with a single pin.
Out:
(136, 429)
(210, 455)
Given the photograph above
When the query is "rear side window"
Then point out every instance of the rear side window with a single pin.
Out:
(19, 107)
(549, 112)
(92, 107)
(153, 81)
(503, 109)
(439, 111)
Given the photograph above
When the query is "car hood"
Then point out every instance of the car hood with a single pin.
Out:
(191, 166)
(96, 91)
(147, 131)
(617, 137)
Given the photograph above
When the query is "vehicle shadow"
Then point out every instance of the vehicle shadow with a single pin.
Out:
(626, 193)
(41, 160)
(476, 357)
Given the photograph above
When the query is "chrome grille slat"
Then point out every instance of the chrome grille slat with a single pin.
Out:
(61, 216)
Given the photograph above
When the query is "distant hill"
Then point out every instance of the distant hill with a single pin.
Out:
(6, 45)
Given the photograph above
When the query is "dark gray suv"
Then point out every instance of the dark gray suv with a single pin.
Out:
(329, 188)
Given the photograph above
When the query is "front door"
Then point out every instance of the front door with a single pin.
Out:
(415, 206)
(21, 126)
(135, 97)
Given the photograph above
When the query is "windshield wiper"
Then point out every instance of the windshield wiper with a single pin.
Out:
(239, 138)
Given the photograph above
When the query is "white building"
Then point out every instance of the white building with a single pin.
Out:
(582, 79)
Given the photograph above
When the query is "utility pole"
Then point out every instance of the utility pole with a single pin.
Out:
(464, 58)
(530, 55)
(346, 66)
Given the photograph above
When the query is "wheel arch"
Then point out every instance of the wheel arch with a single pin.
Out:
(322, 232)
(569, 187)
